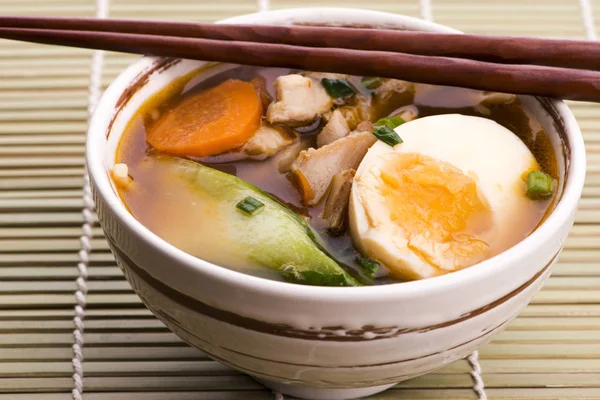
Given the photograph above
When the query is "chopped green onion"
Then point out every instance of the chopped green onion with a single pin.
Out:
(392, 122)
(250, 206)
(387, 135)
(369, 266)
(539, 185)
(371, 82)
(337, 88)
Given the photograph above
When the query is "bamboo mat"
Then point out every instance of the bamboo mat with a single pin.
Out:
(552, 351)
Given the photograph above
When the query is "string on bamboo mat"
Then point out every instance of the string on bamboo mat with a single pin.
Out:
(425, 7)
(478, 386)
(88, 223)
(263, 5)
(588, 19)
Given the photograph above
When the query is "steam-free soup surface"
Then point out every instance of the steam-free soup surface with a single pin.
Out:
(171, 207)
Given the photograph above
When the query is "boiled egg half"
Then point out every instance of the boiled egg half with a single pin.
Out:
(452, 194)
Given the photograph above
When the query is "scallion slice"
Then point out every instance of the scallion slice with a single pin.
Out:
(371, 82)
(539, 185)
(250, 206)
(337, 88)
(392, 122)
(387, 135)
(369, 266)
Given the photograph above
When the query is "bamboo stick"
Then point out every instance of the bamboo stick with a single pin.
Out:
(119, 286)
(92, 313)
(66, 300)
(33, 161)
(41, 194)
(95, 325)
(103, 353)
(42, 274)
(24, 219)
(7, 205)
(46, 232)
(39, 172)
(49, 259)
(519, 351)
(29, 150)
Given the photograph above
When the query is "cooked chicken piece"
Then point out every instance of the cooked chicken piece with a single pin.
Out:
(498, 98)
(492, 99)
(407, 113)
(393, 94)
(260, 84)
(120, 175)
(268, 140)
(336, 128)
(365, 126)
(314, 168)
(389, 87)
(357, 112)
(317, 76)
(288, 155)
(300, 101)
(489, 99)
(336, 207)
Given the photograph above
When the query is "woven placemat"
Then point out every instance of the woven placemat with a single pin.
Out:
(552, 351)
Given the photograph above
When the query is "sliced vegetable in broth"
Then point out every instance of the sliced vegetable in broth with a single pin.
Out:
(276, 238)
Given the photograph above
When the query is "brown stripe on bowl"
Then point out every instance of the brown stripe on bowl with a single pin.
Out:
(325, 333)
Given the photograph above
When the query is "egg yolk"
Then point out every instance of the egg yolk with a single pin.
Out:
(435, 210)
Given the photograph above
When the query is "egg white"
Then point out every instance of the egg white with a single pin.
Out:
(482, 149)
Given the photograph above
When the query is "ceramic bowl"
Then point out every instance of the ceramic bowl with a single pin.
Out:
(319, 342)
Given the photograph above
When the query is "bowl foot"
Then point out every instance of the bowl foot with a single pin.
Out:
(323, 394)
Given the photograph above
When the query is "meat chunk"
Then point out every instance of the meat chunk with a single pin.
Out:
(120, 175)
(407, 113)
(313, 170)
(390, 87)
(288, 155)
(268, 140)
(300, 100)
(336, 206)
(317, 76)
(393, 94)
(365, 126)
(360, 110)
(336, 128)
(491, 99)
(260, 84)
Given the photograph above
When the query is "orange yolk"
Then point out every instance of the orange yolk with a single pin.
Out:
(433, 205)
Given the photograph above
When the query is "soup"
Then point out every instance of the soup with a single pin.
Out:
(334, 180)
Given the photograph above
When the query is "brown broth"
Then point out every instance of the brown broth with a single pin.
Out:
(168, 208)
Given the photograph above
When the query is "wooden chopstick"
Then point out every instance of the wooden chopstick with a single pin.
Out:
(505, 50)
(521, 79)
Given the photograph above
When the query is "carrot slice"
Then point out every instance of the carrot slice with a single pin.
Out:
(210, 122)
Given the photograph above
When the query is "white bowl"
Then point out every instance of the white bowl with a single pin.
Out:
(320, 342)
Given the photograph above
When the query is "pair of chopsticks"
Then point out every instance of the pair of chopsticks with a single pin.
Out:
(565, 69)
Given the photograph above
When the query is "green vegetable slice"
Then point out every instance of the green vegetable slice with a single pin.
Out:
(539, 185)
(371, 82)
(276, 237)
(392, 122)
(370, 267)
(337, 88)
(387, 135)
(250, 205)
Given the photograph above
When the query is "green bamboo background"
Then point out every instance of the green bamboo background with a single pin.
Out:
(552, 351)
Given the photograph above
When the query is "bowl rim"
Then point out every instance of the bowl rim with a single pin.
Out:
(104, 112)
